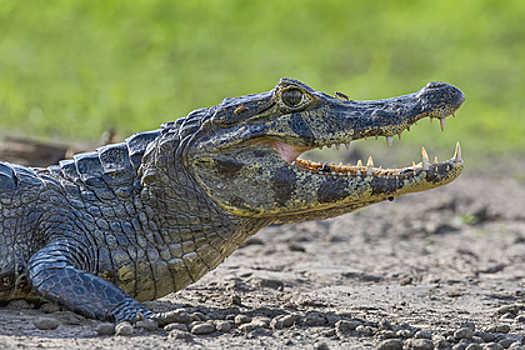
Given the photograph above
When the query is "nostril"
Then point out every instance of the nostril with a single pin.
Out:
(435, 84)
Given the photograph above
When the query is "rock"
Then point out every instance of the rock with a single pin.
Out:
(283, 321)
(321, 346)
(346, 326)
(105, 329)
(440, 342)
(420, 344)
(473, 346)
(390, 344)
(180, 335)
(203, 329)
(314, 319)
(124, 328)
(516, 346)
(21, 304)
(503, 328)
(150, 325)
(241, 319)
(487, 337)
(223, 326)
(49, 308)
(492, 346)
(366, 330)
(423, 335)
(178, 326)
(385, 325)
(463, 333)
(505, 342)
(46, 323)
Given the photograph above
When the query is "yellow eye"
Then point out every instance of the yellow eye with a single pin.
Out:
(292, 97)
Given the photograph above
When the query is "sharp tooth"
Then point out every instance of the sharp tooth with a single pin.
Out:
(399, 135)
(293, 163)
(436, 160)
(370, 161)
(359, 163)
(358, 172)
(413, 163)
(454, 115)
(424, 158)
(337, 146)
(442, 122)
(369, 171)
(408, 128)
(347, 145)
(377, 137)
(329, 146)
(447, 168)
(431, 120)
(321, 148)
(334, 173)
(389, 140)
(457, 155)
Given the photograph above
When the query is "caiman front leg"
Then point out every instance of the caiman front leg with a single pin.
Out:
(57, 275)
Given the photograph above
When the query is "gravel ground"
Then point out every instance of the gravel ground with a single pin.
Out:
(437, 270)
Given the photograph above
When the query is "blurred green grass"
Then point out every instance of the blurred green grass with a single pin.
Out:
(73, 69)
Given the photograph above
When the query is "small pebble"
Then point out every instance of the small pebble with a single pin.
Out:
(203, 328)
(385, 325)
(509, 309)
(241, 319)
(46, 323)
(49, 308)
(180, 335)
(321, 346)
(329, 333)
(463, 333)
(105, 329)
(487, 337)
(520, 319)
(404, 333)
(391, 344)
(460, 346)
(150, 325)
(124, 328)
(178, 326)
(420, 344)
(492, 346)
(223, 326)
(516, 346)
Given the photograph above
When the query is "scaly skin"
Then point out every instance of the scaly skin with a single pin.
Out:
(136, 221)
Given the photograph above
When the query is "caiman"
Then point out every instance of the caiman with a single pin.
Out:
(135, 221)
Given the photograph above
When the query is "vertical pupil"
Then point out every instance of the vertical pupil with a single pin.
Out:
(292, 97)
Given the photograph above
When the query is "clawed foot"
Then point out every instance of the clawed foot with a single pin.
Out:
(167, 317)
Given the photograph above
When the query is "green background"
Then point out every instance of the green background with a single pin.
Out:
(73, 69)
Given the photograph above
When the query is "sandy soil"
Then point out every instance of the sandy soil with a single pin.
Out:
(440, 269)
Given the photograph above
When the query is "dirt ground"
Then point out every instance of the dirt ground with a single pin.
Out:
(441, 269)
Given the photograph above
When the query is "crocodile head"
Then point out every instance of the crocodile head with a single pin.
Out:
(247, 152)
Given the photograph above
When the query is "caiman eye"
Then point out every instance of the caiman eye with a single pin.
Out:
(292, 97)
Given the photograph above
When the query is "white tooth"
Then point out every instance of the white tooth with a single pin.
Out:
(457, 155)
(370, 161)
(293, 163)
(442, 121)
(431, 120)
(334, 173)
(389, 140)
(377, 137)
(397, 177)
(447, 168)
(358, 172)
(347, 145)
(359, 163)
(321, 148)
(337, 146)
(453, 115)
(369, 171)
(399, 135)
(436, 160)
(424, 158)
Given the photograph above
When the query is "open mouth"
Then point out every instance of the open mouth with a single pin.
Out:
(291, 154)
